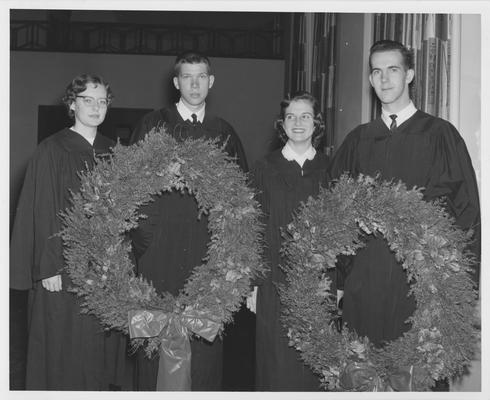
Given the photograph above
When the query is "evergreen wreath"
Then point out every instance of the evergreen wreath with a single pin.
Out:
(97, 250)
(431, 249)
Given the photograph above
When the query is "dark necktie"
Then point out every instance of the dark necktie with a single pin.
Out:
(194, 119)
(393, 122)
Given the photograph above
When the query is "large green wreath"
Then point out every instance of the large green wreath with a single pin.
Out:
(97, 250)
(430, 247)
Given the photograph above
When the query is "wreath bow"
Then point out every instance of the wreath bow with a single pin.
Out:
(363, 377)
(174, 367)
(360, 377)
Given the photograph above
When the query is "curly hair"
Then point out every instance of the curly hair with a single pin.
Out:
(319, 125)
(79, 85)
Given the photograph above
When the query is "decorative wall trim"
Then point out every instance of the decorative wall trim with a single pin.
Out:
(86, 37)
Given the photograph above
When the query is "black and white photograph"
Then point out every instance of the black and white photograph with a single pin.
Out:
(246, 199)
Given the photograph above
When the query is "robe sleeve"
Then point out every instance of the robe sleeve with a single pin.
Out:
(257, 182)
(234, 146)
(142, 236)
(35, 253)
(345, 158)
(453, 177)
(22, 240)
(142, 128)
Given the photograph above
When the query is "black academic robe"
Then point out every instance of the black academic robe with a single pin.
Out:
(424, 151)
(172, 241)
(66, 350)
(281, 186)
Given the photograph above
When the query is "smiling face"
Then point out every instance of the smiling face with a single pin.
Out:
(90, 116)
(299, 121)
(194, 82)
(390, 78)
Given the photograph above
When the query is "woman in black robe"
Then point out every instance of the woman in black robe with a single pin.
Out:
(283, 180)
(66, 350)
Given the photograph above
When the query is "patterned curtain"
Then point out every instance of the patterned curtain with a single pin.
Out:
(312, 64)
(298, 57)
(429, 35)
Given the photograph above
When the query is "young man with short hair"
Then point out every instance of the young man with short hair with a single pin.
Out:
(420, 150)
(172, 240)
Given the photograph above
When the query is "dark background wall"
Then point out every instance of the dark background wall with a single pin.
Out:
(215, 19)
(246, 93)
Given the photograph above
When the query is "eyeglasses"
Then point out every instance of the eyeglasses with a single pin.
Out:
(89, 101)
(306, 117)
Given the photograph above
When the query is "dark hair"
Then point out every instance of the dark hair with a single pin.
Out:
(79, 85)
(319, 125)
(191, 57)
(389, 45)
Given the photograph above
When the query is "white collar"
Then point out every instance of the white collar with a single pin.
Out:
(290, 155)
(186, 114)
(401, 116)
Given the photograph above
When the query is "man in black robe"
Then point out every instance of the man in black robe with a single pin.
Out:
(421, 150)
(172, 240)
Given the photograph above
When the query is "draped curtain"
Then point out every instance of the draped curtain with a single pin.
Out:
(312, 64)
(429, 36)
